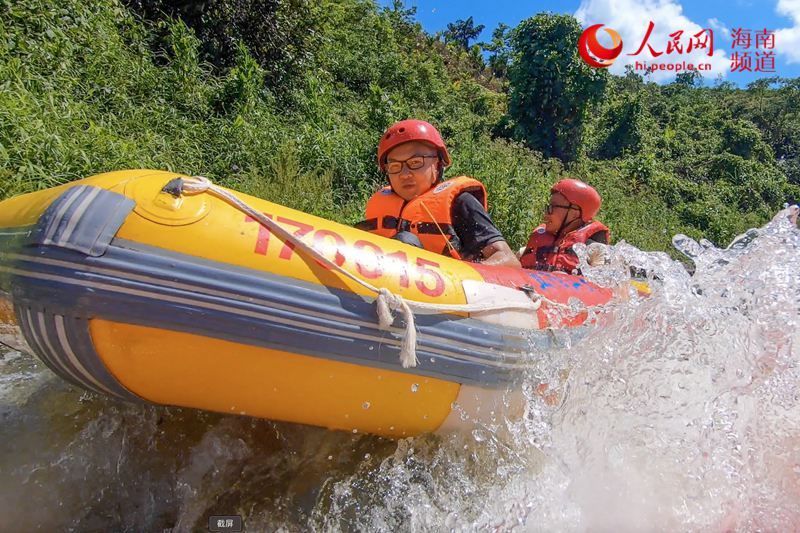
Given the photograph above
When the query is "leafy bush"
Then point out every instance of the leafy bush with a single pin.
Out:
(279, 34)
(551, 88)
(287, 100)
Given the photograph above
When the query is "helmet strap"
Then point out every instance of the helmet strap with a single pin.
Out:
(440, 175)
(564, 222)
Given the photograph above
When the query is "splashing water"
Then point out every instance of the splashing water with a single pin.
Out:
(679, 411)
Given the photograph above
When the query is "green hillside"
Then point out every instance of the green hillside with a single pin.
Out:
(286, 100)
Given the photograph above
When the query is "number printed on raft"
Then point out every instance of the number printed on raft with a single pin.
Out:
(367, 257)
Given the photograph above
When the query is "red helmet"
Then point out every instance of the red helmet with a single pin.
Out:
(410, 130)
(580, 194)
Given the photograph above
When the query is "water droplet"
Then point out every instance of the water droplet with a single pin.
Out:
(330, 458)
(371, 348)
(391, 428)
(365, 405)
(414, 387)
(355, 431)
(433, 360)
(367, 456)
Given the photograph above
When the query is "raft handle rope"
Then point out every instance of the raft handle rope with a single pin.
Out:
(386, 301)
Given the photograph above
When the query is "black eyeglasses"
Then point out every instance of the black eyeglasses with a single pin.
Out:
(550, 207)
(413, 163)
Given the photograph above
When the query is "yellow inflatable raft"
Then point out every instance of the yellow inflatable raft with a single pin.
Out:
(125, 284)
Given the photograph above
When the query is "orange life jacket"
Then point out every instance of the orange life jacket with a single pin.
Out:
(543, 252)
(428, 216)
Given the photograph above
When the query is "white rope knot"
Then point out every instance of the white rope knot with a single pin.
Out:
(388, 302)
(196, 185)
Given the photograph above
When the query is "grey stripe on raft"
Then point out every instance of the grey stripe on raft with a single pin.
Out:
(49, 334)
(85, 200)
(78, 339)
(54, 214)
(84, 219)
(64, 345)
(30, 320)
(25, 320)
(292, 337)
(184, 309)
(104, 273)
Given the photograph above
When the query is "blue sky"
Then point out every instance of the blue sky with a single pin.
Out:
(630, 18)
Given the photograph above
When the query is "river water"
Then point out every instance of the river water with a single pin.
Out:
(678, 412)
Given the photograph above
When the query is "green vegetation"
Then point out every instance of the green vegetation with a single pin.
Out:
(551, 88)
(287, 100)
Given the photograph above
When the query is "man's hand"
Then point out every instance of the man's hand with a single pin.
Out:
(499, 254)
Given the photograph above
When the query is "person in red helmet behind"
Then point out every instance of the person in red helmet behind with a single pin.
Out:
(568, 220)
(419, 208)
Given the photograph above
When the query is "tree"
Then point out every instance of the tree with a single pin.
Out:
(691, 78)
(461, 32)
(622, 127)
(499, 50)
(550, 88)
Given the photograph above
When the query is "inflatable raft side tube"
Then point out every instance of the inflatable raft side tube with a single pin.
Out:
(226, 377)
(270, 311)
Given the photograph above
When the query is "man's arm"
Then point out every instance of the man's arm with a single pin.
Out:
(499, 254)
(480, 239)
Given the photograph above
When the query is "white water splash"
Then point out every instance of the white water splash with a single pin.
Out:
(680, 411)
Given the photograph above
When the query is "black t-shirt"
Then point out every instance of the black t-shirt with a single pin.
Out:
(473, 226)
(600, 236)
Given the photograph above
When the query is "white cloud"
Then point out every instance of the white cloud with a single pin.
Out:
(631, 18)
(721, 31)
(787, 40)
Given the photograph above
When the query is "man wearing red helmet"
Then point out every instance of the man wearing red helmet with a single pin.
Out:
(419, 208)
(568, 220)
